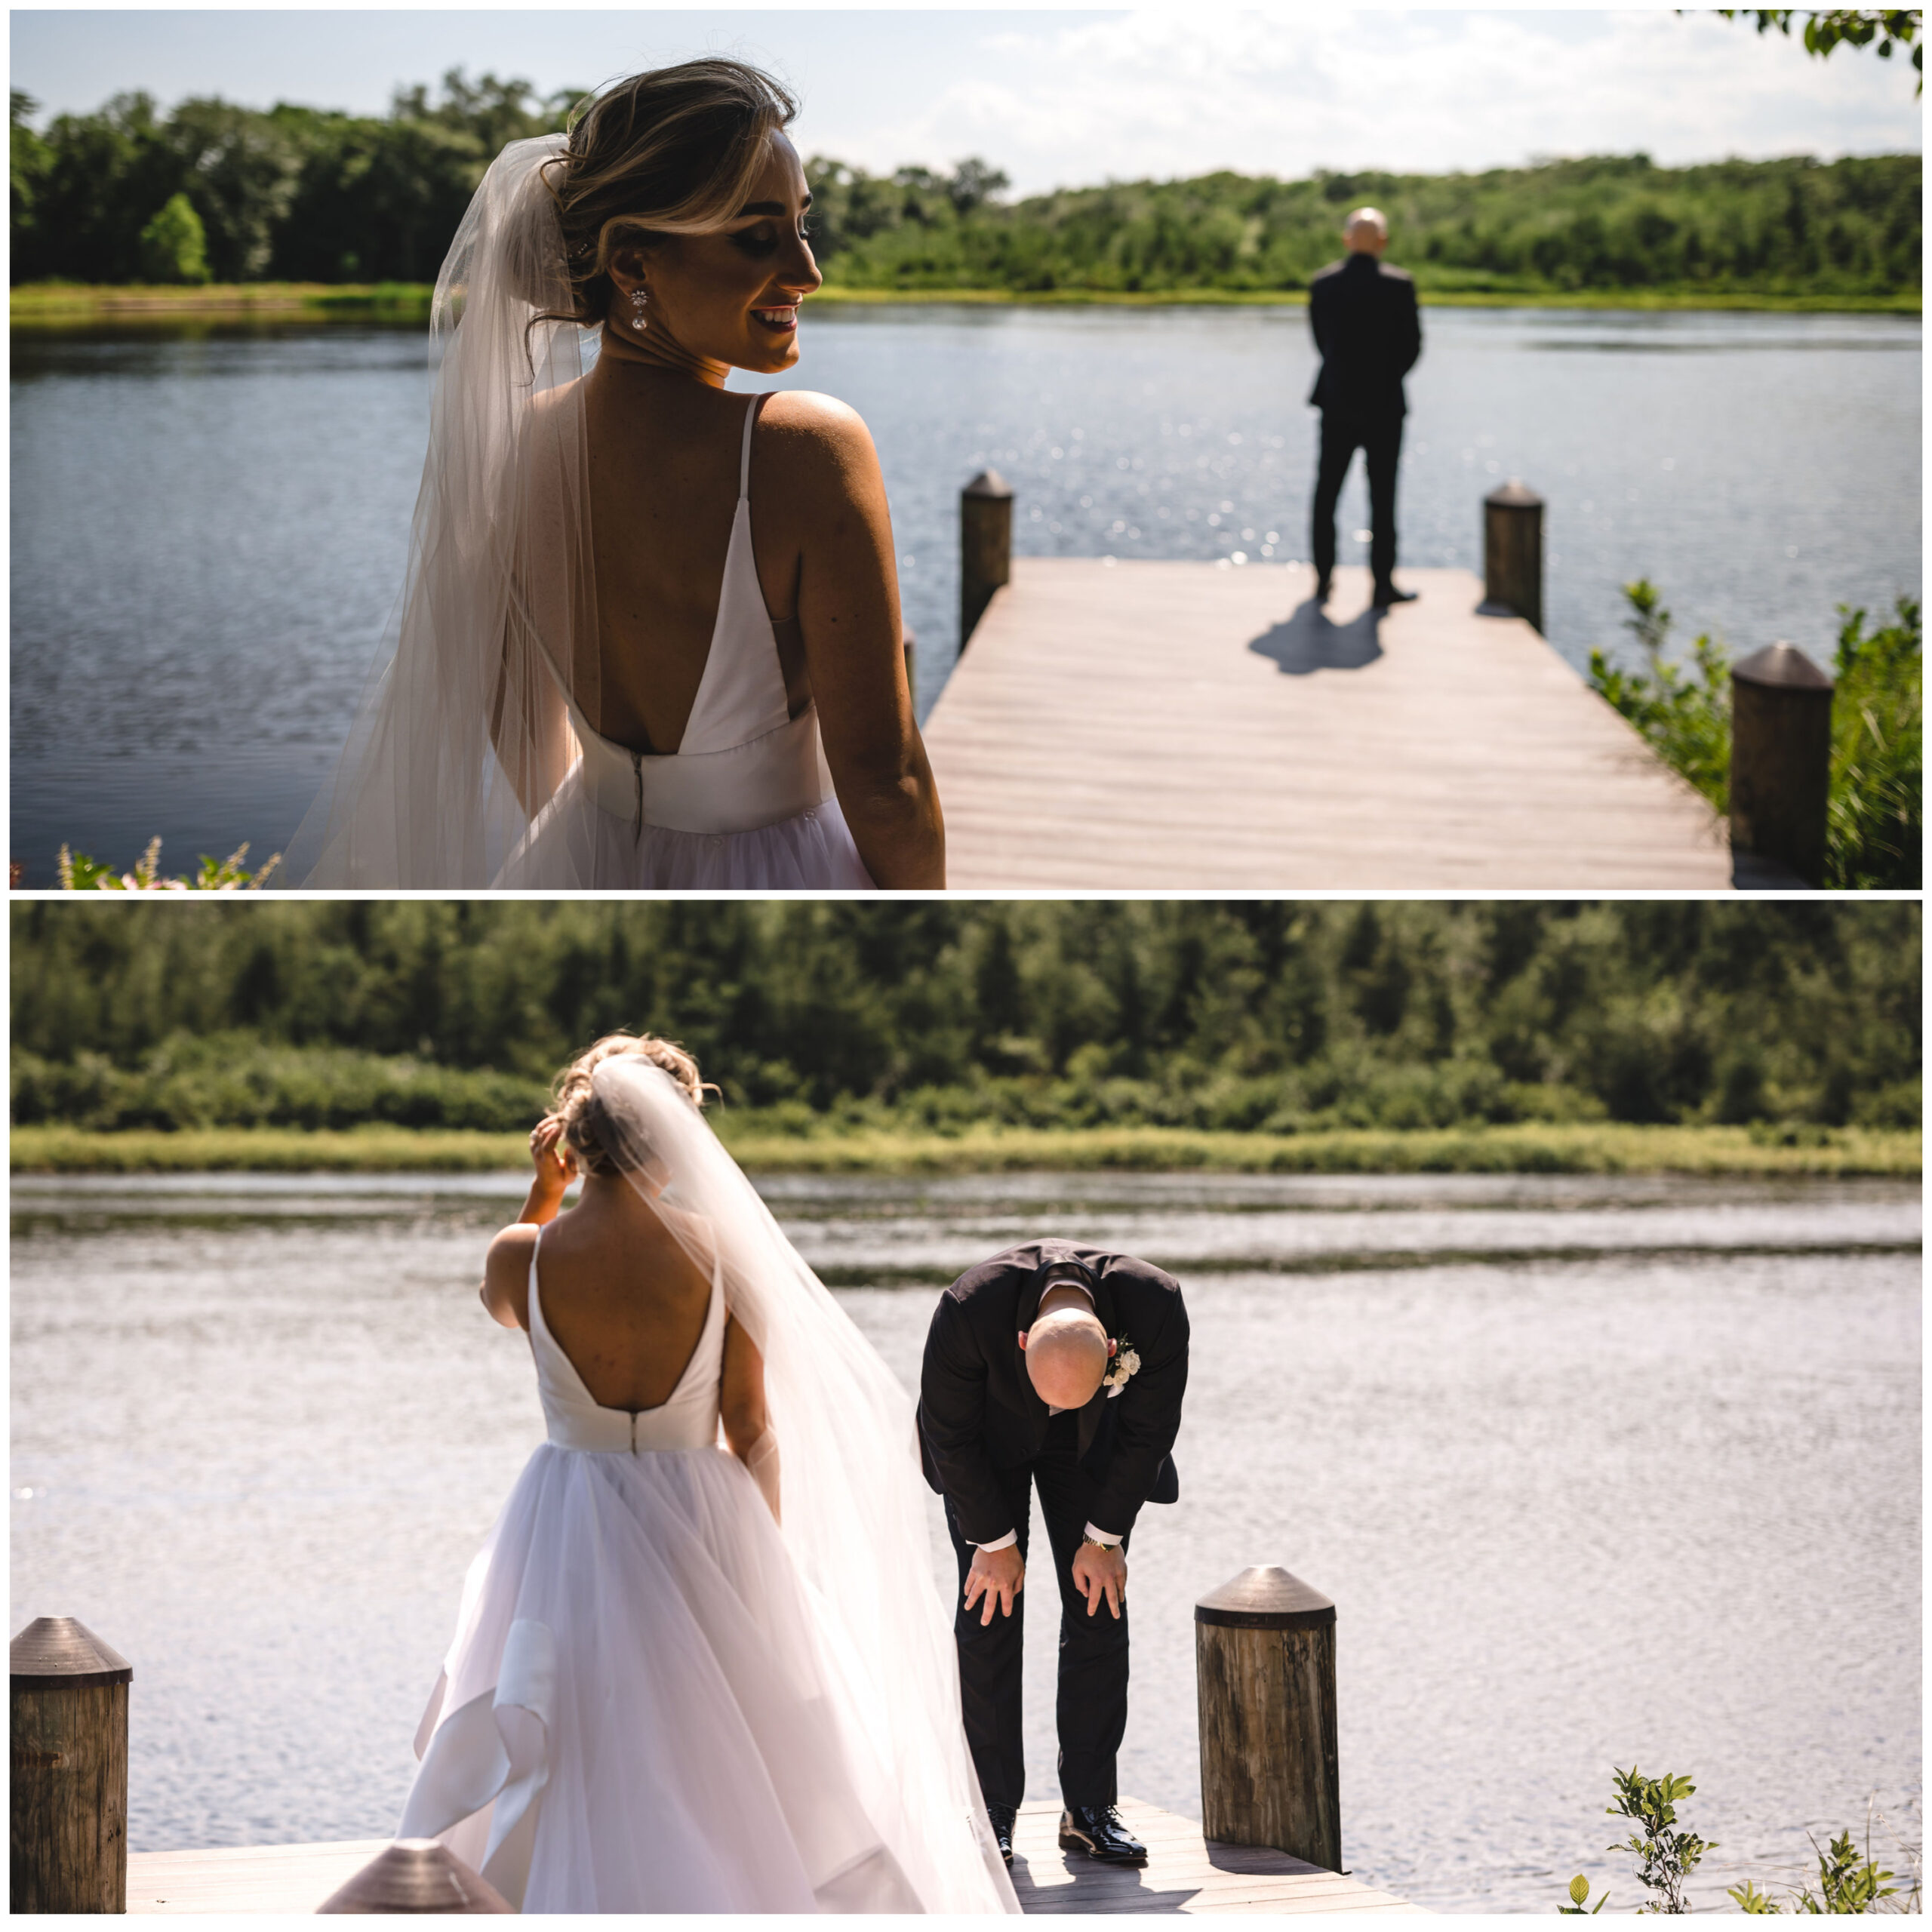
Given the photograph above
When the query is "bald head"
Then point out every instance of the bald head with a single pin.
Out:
(1066, 1356)
(1366, 232)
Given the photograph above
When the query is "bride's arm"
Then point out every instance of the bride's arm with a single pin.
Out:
(505, 1289)
(747, 1425)
(815, 470)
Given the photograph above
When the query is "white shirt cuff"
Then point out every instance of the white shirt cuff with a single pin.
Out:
(1006, 1541)
(1107, 1537)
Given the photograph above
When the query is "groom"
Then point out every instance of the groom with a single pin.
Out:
(1061, 1367)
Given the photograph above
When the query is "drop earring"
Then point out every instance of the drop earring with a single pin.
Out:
(640, 301)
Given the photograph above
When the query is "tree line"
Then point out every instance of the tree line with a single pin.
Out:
(1282, 1016)
(212, 191)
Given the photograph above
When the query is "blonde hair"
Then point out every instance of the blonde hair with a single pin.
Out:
(672, 151)
(587, 1130)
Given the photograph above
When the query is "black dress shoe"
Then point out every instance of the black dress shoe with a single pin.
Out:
(1001, 1816)
(1097, 1830)
(1386, 594)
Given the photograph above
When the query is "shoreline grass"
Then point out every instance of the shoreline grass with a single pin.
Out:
(59, 305)
(1593, 1148)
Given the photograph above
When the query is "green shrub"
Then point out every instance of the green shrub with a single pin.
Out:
(1875, 826)
(1874, 820)
(174, 245)
(1685, 714)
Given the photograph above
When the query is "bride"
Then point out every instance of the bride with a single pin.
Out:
(688, 1677)
(650, 633)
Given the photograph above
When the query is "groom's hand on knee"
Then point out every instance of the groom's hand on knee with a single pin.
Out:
(997, 1575)
(1100, 1570)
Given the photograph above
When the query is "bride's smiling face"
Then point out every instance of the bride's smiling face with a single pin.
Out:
(733, 296)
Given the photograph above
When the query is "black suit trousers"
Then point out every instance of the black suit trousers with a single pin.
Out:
(1380, 439)
(1091, 1708)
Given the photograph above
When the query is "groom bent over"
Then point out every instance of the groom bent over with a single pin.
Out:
(1061, 1368)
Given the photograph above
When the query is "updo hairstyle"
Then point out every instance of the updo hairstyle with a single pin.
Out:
(588, 1131)
(673, 151)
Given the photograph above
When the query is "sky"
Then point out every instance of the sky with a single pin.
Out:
(1065, 98)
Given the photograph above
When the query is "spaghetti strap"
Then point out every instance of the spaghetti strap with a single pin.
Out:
(745, 457)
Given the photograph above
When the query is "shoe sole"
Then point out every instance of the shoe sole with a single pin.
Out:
(1071, 1842)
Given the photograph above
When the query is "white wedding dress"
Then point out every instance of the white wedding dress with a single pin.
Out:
(745, 802)
(656, 1700)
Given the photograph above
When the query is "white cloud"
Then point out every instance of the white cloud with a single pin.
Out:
(1162, 93)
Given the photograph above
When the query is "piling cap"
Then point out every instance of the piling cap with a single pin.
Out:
(988, 483)
(62, 1651)
(1783, 667)
(1266, 1597)
(1513, 496)
(416, 1874)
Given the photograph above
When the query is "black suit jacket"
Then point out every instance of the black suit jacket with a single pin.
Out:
(1369, 330)
(979, 1412)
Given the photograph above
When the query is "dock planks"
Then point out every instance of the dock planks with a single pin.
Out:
(1176, 725)
(1183, 1874)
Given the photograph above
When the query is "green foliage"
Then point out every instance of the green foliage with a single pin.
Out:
(174, 244)
(952, 1018)
(294, 193)
(1605, 223)
(1685, 713)
(1875, 822)
(1665, 1857)
(1850, 26)
(1748, 1899)
(77, 872)
(305, 195)
(1875, 825)
(1847, 1881)
(1580, 1894)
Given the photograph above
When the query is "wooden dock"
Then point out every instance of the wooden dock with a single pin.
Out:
(1183, 1874)
(1176, 725)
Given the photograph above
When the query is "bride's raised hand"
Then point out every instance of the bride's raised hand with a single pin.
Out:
(556, 1168)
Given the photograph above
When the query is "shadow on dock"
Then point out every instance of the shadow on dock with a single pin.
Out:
(1308, 639)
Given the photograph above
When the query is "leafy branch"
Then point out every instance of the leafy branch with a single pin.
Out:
(1853, 26)
(1665, 1857)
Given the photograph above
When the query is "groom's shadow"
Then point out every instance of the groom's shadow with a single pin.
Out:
(1306, 640)
(1094, 1888)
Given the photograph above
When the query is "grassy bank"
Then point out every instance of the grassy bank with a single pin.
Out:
(62, 304)
(68, 304)
(1529, 1147)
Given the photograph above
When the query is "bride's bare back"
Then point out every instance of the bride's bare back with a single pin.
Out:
(625, 1303)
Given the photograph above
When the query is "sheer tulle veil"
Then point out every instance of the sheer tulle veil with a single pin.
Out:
(459, 739)
(854, 1504)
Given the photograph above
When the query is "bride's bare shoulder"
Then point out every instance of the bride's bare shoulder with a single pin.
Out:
(506, 1291)
(806, 436)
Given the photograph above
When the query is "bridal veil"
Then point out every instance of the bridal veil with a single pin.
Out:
(459, 738)
(853, 1501)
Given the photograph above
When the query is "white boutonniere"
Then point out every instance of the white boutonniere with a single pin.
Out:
(1125, 1364)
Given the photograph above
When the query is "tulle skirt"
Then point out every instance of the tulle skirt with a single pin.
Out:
(696, 1754)
(574, 843)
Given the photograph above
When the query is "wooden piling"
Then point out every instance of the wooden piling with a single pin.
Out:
(1781, 759)
(1264, 1649)
(985, 546)
(1512, 551)
(416, 1874)
(69, 1762)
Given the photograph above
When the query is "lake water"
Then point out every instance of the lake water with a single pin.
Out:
(1596, 1472)
(209, 523)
